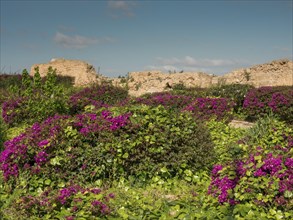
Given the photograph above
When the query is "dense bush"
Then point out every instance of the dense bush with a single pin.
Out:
(2, 134)
(163, 143)
(89, 147)
(38, 100)
(15, 80)
(193, 92)
(8, 86)
(262, 176)
(10, 80)
(207, 108)
(149, 161)
(96, 95)
(225, 139)
(266, 100)
(235, 92)
(70, 202)
(165, 99)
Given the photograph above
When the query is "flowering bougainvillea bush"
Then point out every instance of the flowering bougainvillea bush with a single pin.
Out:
(115, 157)
(261, 177)
(208, 108)
(266, 100)
(2, 133)
(87, 147)
(70, 202)
(235, 92)
(165, 99)
(96, 95)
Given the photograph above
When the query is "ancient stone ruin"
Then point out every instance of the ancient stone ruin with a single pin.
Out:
(275, 73)
(82, 72)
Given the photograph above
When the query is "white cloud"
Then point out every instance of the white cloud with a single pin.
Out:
(119, 8)
(77, 41)
(284, 49)
(192, 62)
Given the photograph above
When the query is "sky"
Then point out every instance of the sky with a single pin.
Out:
(118, 37)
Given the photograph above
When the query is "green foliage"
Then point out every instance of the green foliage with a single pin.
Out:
(225, 139)
(179, 86)
(258, 180)
(267, 132)
(66, 202)
(155, 161)
(3, 129)
(159, 143)
(15, 131)
(171, 199)
(96, 95)
(38, 100)
(193, 92)
(235, 92)
(26, 83)
(9, 80)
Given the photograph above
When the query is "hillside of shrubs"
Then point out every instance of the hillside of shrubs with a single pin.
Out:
(97, 153)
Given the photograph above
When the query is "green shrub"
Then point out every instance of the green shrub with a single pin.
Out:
(38, 100)
(235, 92)
(179, 86)
(161, 143)
(225, 139)
(3, 129)
(9, 86)
(258, 183)
(145, 143)
(9, 80)
(193, 92)
(98, 96)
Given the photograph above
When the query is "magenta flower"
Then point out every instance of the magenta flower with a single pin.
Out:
(41, 157)
(43, 143)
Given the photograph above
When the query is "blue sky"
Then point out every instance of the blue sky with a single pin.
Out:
(124, 36)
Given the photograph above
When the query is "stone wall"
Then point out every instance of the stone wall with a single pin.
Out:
(275, 73)
(82, 72)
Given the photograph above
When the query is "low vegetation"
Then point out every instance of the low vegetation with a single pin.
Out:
(96, 153)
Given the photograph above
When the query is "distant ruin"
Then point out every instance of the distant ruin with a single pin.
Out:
(82, 72)
(275, 73)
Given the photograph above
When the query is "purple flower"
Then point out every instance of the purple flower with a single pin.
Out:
(96, 203)
(43, 143)
(216, 169)
(65, 193)
(206, 108)
(41, 157)
(84, 131)
(289, 163)
(259, 173)
(111, 195)
(96, 191)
